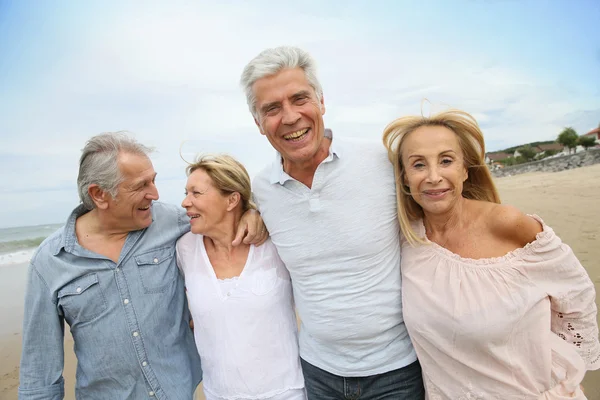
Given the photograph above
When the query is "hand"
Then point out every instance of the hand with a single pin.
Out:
(251, 230)
(192, 324)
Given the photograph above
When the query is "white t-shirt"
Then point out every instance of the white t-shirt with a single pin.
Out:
(245, 328)
(340, 242)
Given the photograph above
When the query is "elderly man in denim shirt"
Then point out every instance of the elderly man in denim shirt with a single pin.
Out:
(111, 274)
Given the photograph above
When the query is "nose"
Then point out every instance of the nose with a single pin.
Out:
(290, 115)
(186, 201)
(152, 193)
(433, 175)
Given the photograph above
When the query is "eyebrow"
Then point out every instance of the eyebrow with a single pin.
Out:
(138, 184)
(301, 93)
(442, 153)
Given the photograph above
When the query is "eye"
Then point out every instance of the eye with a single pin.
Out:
(301, 100)
(418, 165)
(272, 110)
(447, 161)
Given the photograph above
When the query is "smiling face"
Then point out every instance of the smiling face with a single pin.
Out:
(291, 117)
(206, 206)
(130, 210)
(434, 168)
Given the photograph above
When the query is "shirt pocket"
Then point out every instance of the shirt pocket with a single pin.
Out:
(156, 269)
(82, 299)
(264, 281)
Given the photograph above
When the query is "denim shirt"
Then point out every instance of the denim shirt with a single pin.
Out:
(129, 320)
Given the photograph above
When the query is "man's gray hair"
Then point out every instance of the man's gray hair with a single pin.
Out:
(271, 61)
(99, 163)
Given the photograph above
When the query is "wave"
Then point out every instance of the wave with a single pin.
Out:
(18, 257)
(22, 244)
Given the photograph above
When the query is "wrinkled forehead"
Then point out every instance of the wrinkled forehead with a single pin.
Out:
(282, 85)
(135, 168)
(430, 139)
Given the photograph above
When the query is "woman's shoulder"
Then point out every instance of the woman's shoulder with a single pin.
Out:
(509, 223)
(267, 249)
(188, 242)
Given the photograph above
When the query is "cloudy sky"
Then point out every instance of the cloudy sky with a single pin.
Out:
(168, 72)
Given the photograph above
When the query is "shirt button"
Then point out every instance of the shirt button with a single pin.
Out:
(144, 364)
(228, 293)
(151, 393)
(78, 290)
(135, 334)
(118, 269)
(126, 301)
(156, 261)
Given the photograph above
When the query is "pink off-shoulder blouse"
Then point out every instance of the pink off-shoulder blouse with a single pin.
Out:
(521, 326)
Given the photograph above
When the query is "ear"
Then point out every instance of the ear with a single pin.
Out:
(233, 200)
(466, 171)
(259, 127)
(322, 105)
(99, 196)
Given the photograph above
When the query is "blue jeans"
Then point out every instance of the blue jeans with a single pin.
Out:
(401, 384)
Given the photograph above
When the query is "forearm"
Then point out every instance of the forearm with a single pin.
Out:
(42, 356)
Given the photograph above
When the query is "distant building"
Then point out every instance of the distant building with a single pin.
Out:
(551, 147)
(493, 158)
(595, 133)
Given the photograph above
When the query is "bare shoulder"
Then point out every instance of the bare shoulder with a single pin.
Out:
(509, 223)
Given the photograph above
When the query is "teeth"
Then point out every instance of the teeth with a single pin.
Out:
(296, 134)
(194, 216)
(144, 208)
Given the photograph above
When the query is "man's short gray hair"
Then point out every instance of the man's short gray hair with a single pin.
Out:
(99, 163)
(271, 61)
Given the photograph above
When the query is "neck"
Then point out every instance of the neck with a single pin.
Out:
(94, 223)
(440, 224)
(305, 171)
(221, 237)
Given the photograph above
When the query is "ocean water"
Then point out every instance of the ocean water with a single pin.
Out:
(18, 244)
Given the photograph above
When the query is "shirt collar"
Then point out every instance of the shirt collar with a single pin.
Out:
(69, 238)
(278, 175)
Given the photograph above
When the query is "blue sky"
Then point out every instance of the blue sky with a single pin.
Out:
(169, 71)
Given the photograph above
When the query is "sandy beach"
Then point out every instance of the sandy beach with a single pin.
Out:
(567, 201)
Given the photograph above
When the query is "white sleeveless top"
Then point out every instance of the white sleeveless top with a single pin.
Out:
(245, 328)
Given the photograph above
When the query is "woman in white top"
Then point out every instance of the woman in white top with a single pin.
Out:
(240, 296)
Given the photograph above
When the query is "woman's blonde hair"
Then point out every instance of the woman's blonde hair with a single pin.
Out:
(479, 184)
(228, 176)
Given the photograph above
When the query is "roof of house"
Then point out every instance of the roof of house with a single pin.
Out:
(593, 132)
(498, 156)
(550, 146)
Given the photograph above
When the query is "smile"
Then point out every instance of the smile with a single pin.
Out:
(193, 216)
(296, 136)
(436, 193)
(144, 208)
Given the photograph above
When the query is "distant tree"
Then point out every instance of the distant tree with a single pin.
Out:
(586, 141)
(568, 138)
(550, 152)
(508, 161)
(527, 153)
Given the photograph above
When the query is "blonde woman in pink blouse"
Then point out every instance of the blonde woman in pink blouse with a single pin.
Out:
(496, 305)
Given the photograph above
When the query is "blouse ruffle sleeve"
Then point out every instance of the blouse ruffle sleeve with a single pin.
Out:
(552, 266)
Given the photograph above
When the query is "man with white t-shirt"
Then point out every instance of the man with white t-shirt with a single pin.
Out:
(330, 207)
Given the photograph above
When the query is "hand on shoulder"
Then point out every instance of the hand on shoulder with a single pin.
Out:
(509, 223)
